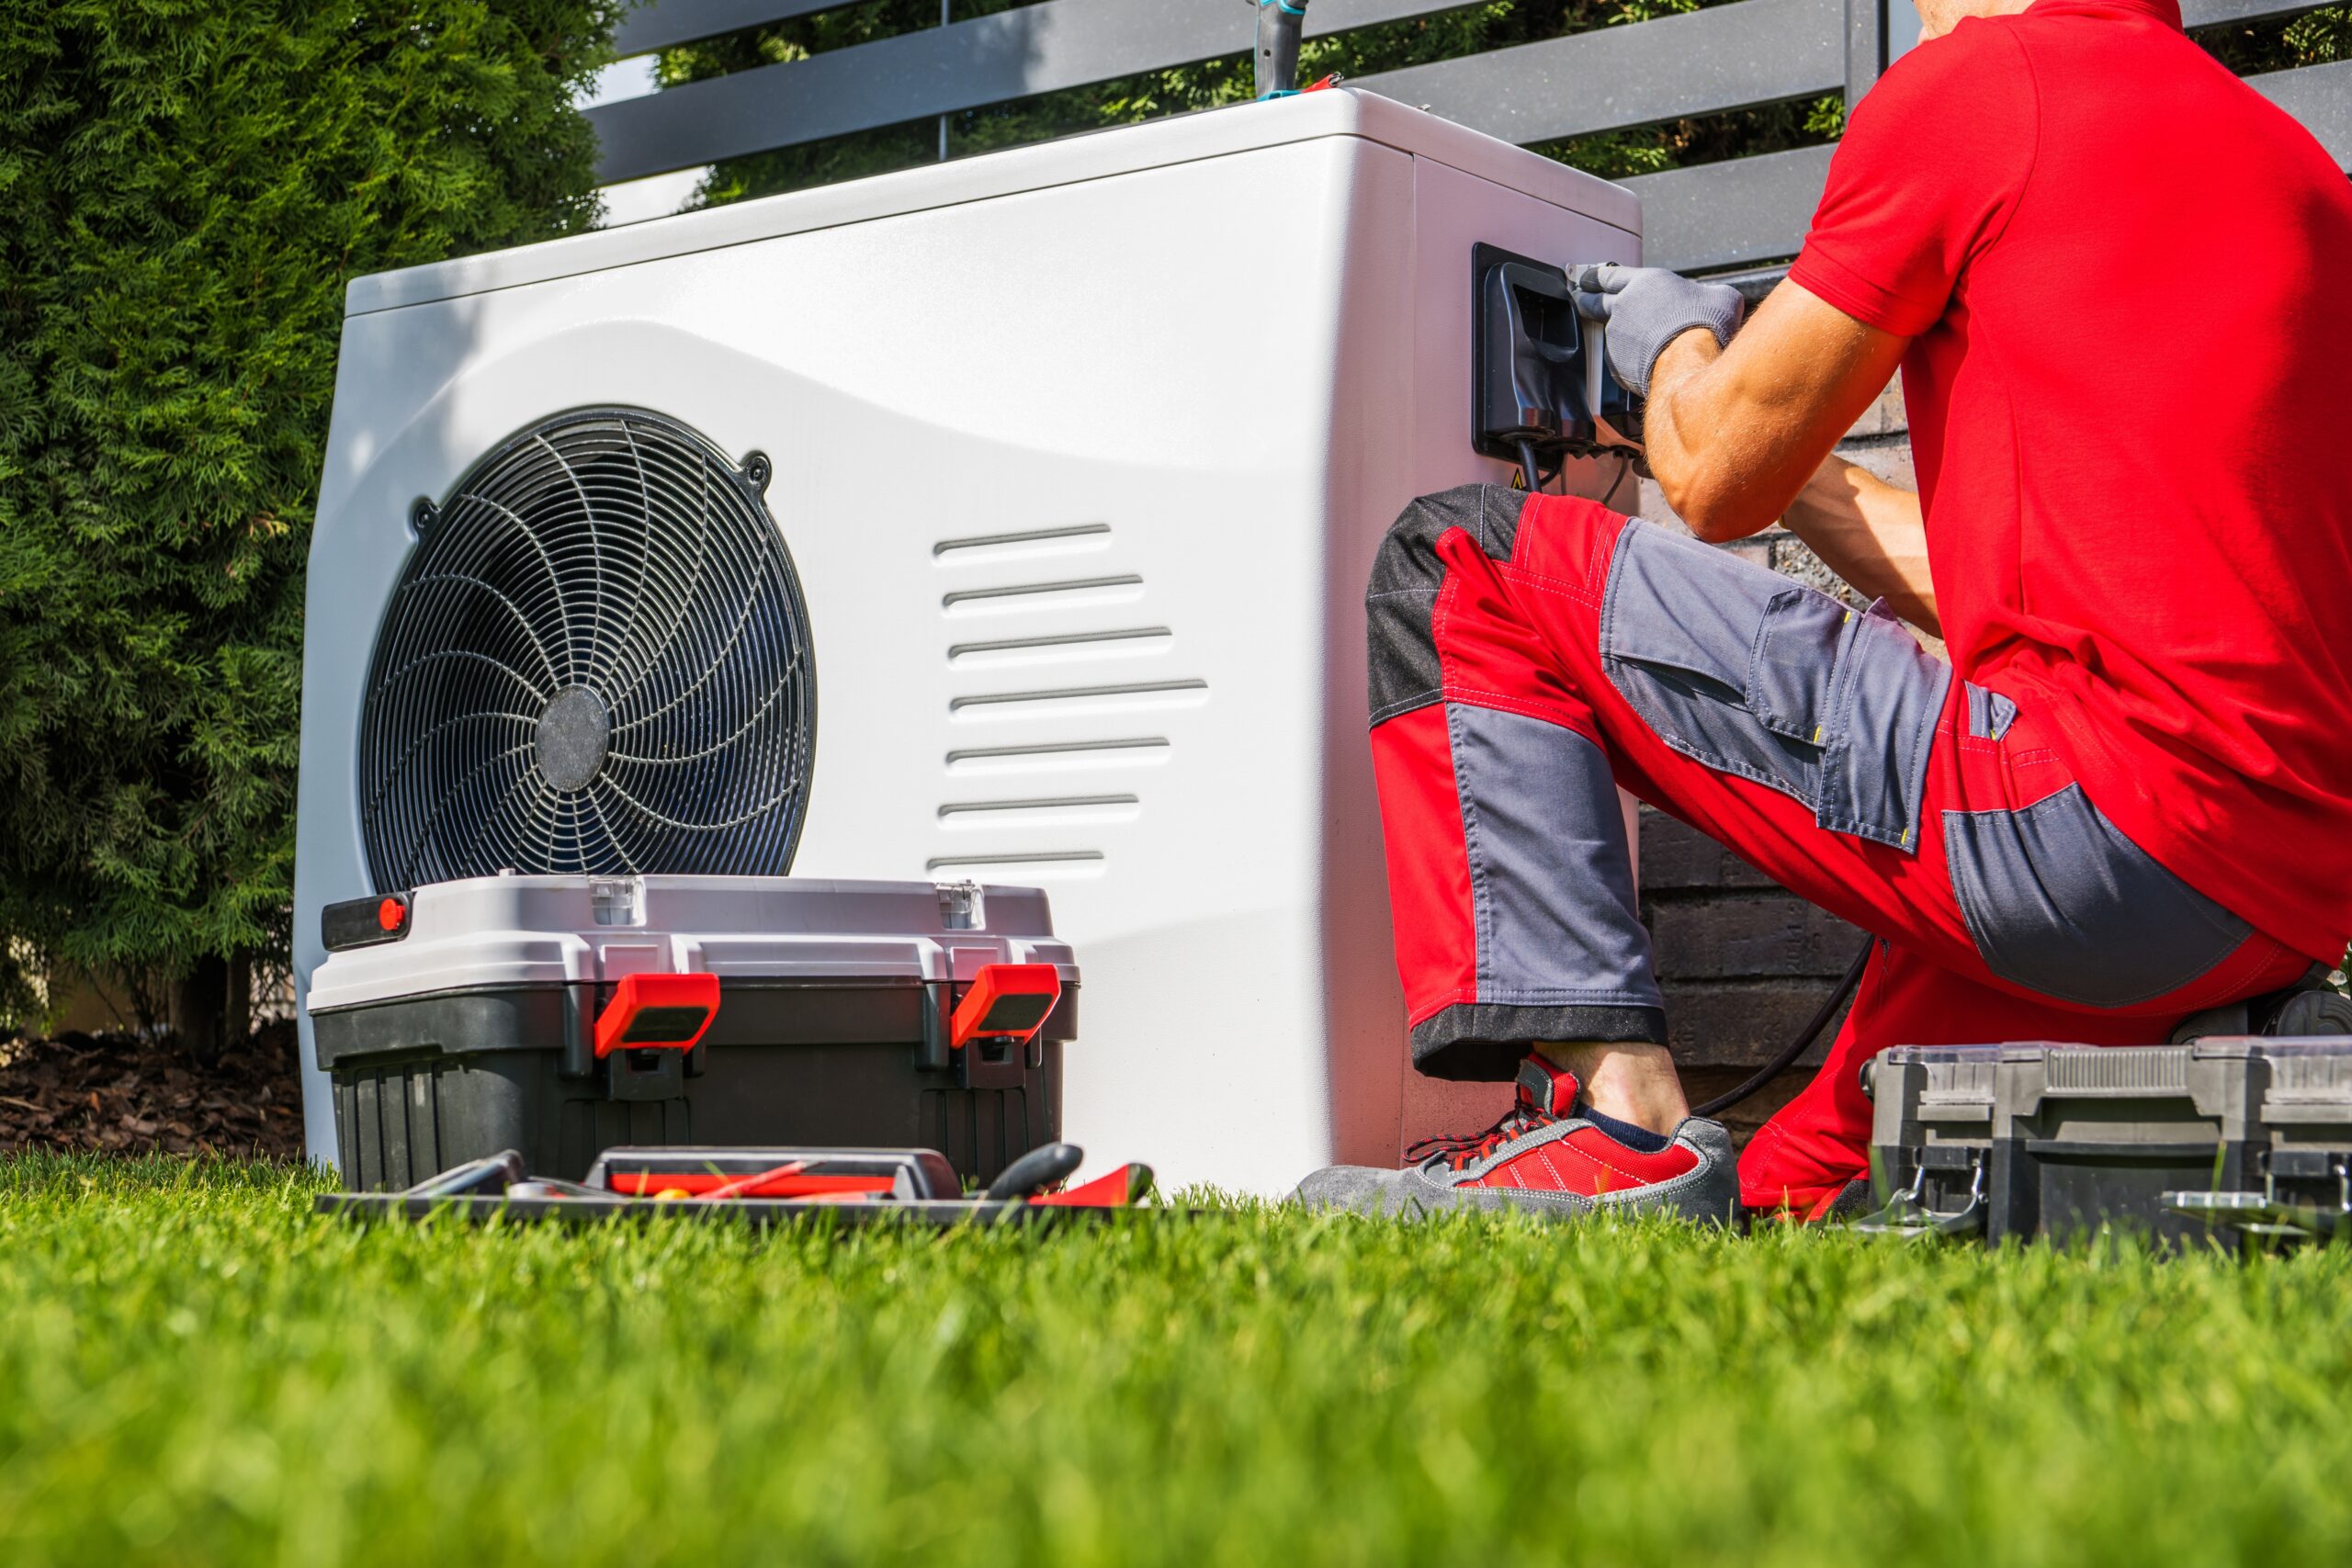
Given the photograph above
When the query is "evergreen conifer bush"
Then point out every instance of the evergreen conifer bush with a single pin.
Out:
(185, 186)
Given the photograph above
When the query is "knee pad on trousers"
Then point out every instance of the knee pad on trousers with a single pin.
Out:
(1405, 578)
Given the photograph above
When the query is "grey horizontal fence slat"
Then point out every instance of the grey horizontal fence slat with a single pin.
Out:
(1730, 214)
(2319, 95)
(671, 22)
(966, 65)
(1865, 32)
(2213, 13)
(1868, 22)
(1727, 57)
(1756, 209)
(1717, 216)
(650, 28)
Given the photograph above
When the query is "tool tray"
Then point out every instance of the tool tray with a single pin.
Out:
(761, 1213)
(562, 1016)
(758, 1187)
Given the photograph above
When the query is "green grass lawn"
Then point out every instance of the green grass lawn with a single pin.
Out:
(194, 1369)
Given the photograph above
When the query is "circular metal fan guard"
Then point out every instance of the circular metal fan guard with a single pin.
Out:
(597, 662)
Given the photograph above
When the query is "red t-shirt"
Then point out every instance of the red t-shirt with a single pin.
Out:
(2129, 280)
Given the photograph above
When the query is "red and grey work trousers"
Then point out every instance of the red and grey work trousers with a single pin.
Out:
(1532, 653)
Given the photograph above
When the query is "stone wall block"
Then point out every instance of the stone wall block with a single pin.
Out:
(1748, 936)
(1747, 1023)
(1677, 858)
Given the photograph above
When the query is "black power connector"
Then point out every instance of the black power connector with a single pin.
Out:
(1541, 390)
(1528, 344)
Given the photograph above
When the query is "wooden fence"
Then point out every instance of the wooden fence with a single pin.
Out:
(1743, 212)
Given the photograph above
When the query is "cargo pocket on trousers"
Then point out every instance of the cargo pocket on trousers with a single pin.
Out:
(1743, 670)
(2058, 900)
(1884, 704)
(1795, 655)
(1729, 664)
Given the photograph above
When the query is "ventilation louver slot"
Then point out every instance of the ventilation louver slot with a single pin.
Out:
(597, 660)
(1066, 673)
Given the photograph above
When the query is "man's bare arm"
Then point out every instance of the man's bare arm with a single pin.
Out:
(1869, 532)
(1740, 438)
(1733, 434)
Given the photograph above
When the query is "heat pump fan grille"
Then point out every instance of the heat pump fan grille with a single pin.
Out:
(597, 662)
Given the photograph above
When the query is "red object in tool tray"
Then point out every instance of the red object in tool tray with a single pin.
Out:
(560, 1016)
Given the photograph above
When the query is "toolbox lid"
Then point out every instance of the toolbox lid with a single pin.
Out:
(501, 933)
(2310, 1078)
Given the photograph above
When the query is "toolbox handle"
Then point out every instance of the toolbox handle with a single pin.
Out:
(1035, 1171)
(1007, 1001)
(1908, 1214)
(657, 1012)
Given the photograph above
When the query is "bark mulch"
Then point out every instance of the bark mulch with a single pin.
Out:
(117, 1094)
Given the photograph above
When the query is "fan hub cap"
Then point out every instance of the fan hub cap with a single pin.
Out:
(573, 735)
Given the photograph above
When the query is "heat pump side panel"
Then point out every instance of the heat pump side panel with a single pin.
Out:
(1454, 210)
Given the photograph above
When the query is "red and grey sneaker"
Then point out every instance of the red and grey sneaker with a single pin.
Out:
(1545, 1157)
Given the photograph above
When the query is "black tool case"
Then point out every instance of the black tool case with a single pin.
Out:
(560, 1015)
(2181, 1142)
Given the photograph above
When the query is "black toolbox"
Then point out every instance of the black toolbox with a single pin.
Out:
(560, 1015)
(2189, 1143)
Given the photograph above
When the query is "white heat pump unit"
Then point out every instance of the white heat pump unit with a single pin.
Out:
(1006, 521)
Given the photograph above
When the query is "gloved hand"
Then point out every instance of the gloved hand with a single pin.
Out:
(1645, 308)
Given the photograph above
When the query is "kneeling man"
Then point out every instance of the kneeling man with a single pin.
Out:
(2119, 285)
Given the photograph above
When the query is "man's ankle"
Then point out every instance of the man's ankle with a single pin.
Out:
(1632, 1082)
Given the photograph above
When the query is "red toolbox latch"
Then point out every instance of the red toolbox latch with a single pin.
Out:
(1007, 1001)
(659, 1013)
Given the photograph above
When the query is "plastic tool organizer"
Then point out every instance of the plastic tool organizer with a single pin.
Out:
(562, 1016)
(2216, 1140)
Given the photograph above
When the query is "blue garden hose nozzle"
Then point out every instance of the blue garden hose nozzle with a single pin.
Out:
(1279, 22)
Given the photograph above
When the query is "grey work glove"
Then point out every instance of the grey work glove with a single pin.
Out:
(1643, 309)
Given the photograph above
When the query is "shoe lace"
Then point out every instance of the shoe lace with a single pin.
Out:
(1461, 1149)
